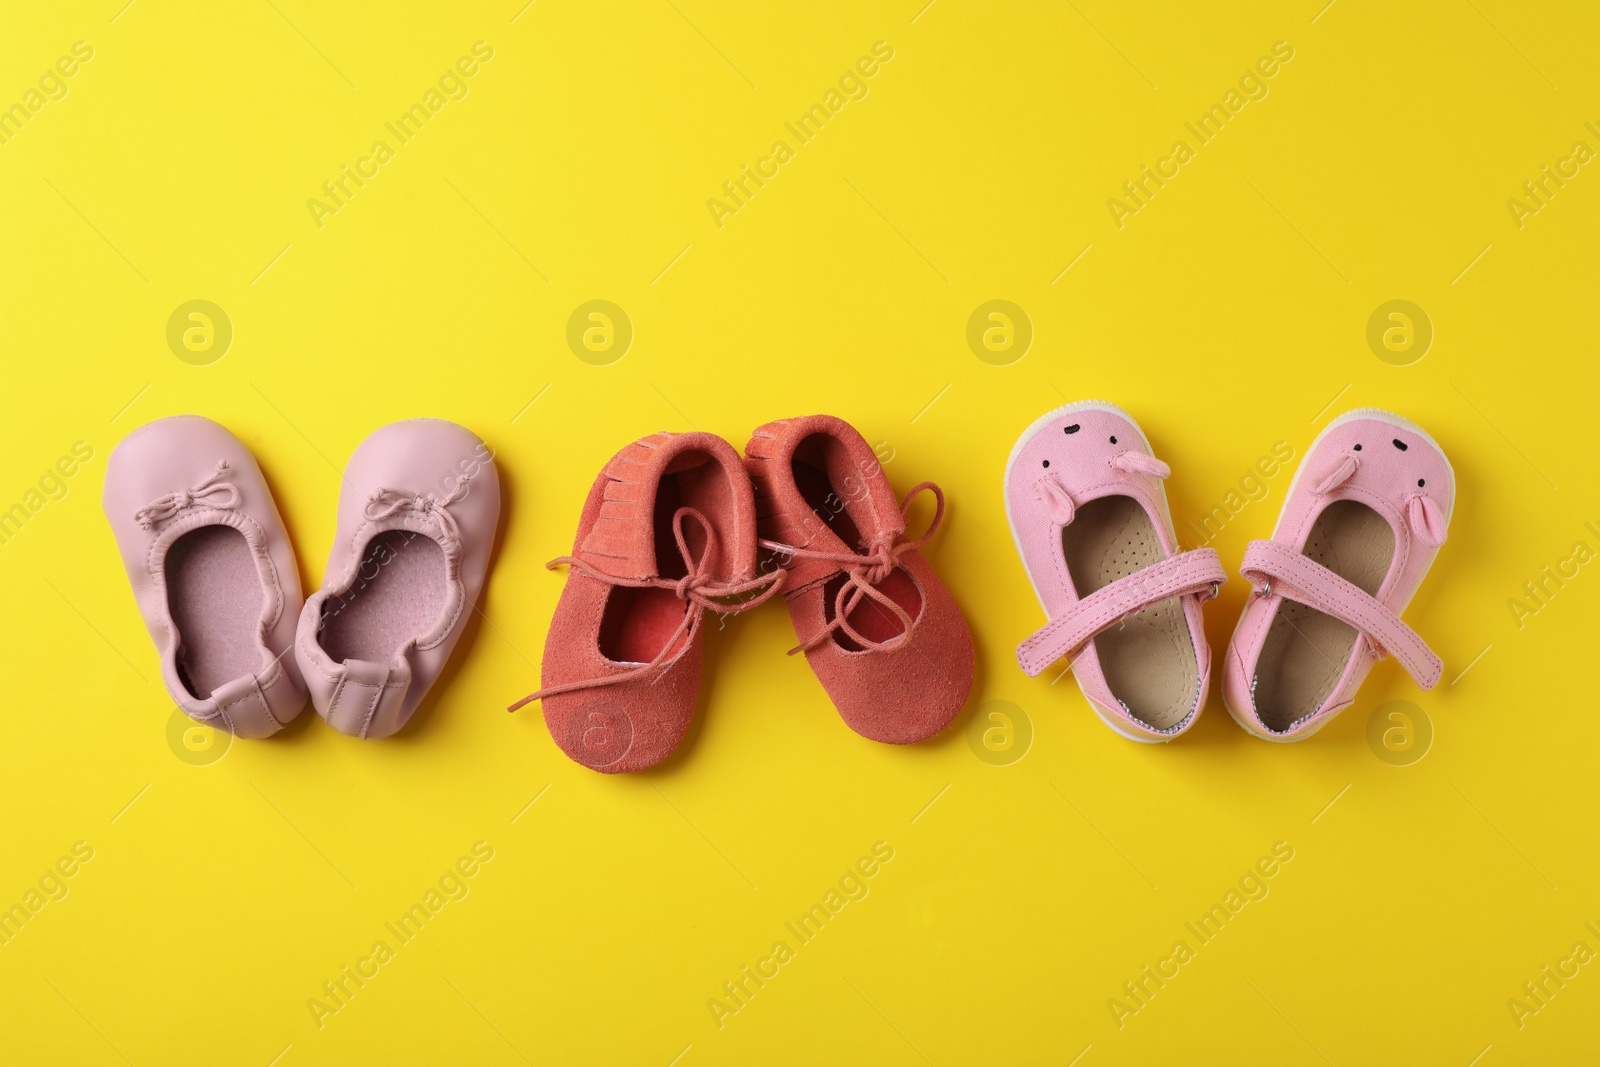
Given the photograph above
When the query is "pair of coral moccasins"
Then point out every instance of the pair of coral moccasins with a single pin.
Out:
(216, 580)
(1364, 518)
(679, 524)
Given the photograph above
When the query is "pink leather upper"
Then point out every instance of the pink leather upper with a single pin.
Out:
(1083, 453)
(434, 478)
(176, 475)
(1379, 460)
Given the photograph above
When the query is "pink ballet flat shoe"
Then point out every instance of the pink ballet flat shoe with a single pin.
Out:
(1088, 510)
(1363, 520)
(212, 571)
(416, 526)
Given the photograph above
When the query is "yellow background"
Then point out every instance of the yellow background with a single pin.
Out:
(1227, 315)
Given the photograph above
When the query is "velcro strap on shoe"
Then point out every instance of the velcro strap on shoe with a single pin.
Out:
(1281, 571)
(1198, 572)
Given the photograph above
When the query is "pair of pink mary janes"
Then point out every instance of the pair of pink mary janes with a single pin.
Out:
(1364, 518)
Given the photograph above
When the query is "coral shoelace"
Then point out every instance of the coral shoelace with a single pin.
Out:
(698, 589)
(864, 573)
(213, 493)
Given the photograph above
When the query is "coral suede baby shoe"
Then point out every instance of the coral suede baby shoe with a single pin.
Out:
(416, 525)
(1364, 518)
(212, 570)
(879, 629)
(668, 532)
(1088, 510)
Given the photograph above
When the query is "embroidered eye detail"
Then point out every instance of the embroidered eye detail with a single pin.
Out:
(1401, 445)
(1421, 482)
(1358, 448)
(1047, 463)
(1113, 440)
(1074, 428)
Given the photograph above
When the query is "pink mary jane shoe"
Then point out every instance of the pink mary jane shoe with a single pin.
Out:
(1362, 523)
(1089, 514)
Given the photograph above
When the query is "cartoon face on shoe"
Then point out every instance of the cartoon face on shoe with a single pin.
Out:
(1081, 435)
(1390, 467)
(1087, 449)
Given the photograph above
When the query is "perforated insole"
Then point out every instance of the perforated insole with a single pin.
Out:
(1306, 650)
(215, 596)
(398, 595)
(1148, 659)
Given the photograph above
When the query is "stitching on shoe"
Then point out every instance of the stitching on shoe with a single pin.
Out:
(372, 710)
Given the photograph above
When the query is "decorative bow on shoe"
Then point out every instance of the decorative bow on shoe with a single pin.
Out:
(387, 503)
(212, 493)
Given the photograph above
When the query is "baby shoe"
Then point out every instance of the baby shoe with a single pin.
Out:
(880, 630)
(1088, 511)
(212, 571)
(1364, 518)
(416, 524)
(668, 532)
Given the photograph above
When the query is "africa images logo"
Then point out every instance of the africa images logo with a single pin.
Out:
(853, 886)
(1208, 127)
(739, 191)
(1253, 886)
(453, 886)
(53, 485)
(1538, 191)
(52, 86)
(452, 86)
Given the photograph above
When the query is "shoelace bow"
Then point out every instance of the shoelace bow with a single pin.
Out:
(864, 572)
(213, 492)
(386, 503)
(698, 589)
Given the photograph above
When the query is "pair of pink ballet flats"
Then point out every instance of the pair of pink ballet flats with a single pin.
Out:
(216, 581)
(1365, 515)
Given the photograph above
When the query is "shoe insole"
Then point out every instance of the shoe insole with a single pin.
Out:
(819, 462)
(638, 623)
(1147, 659)
(398, 595)
(215, 596)
(1306, 650)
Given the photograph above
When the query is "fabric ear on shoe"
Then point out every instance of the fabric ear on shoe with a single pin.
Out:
(1342, 472)
(1426, 520)
(1055, 495)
